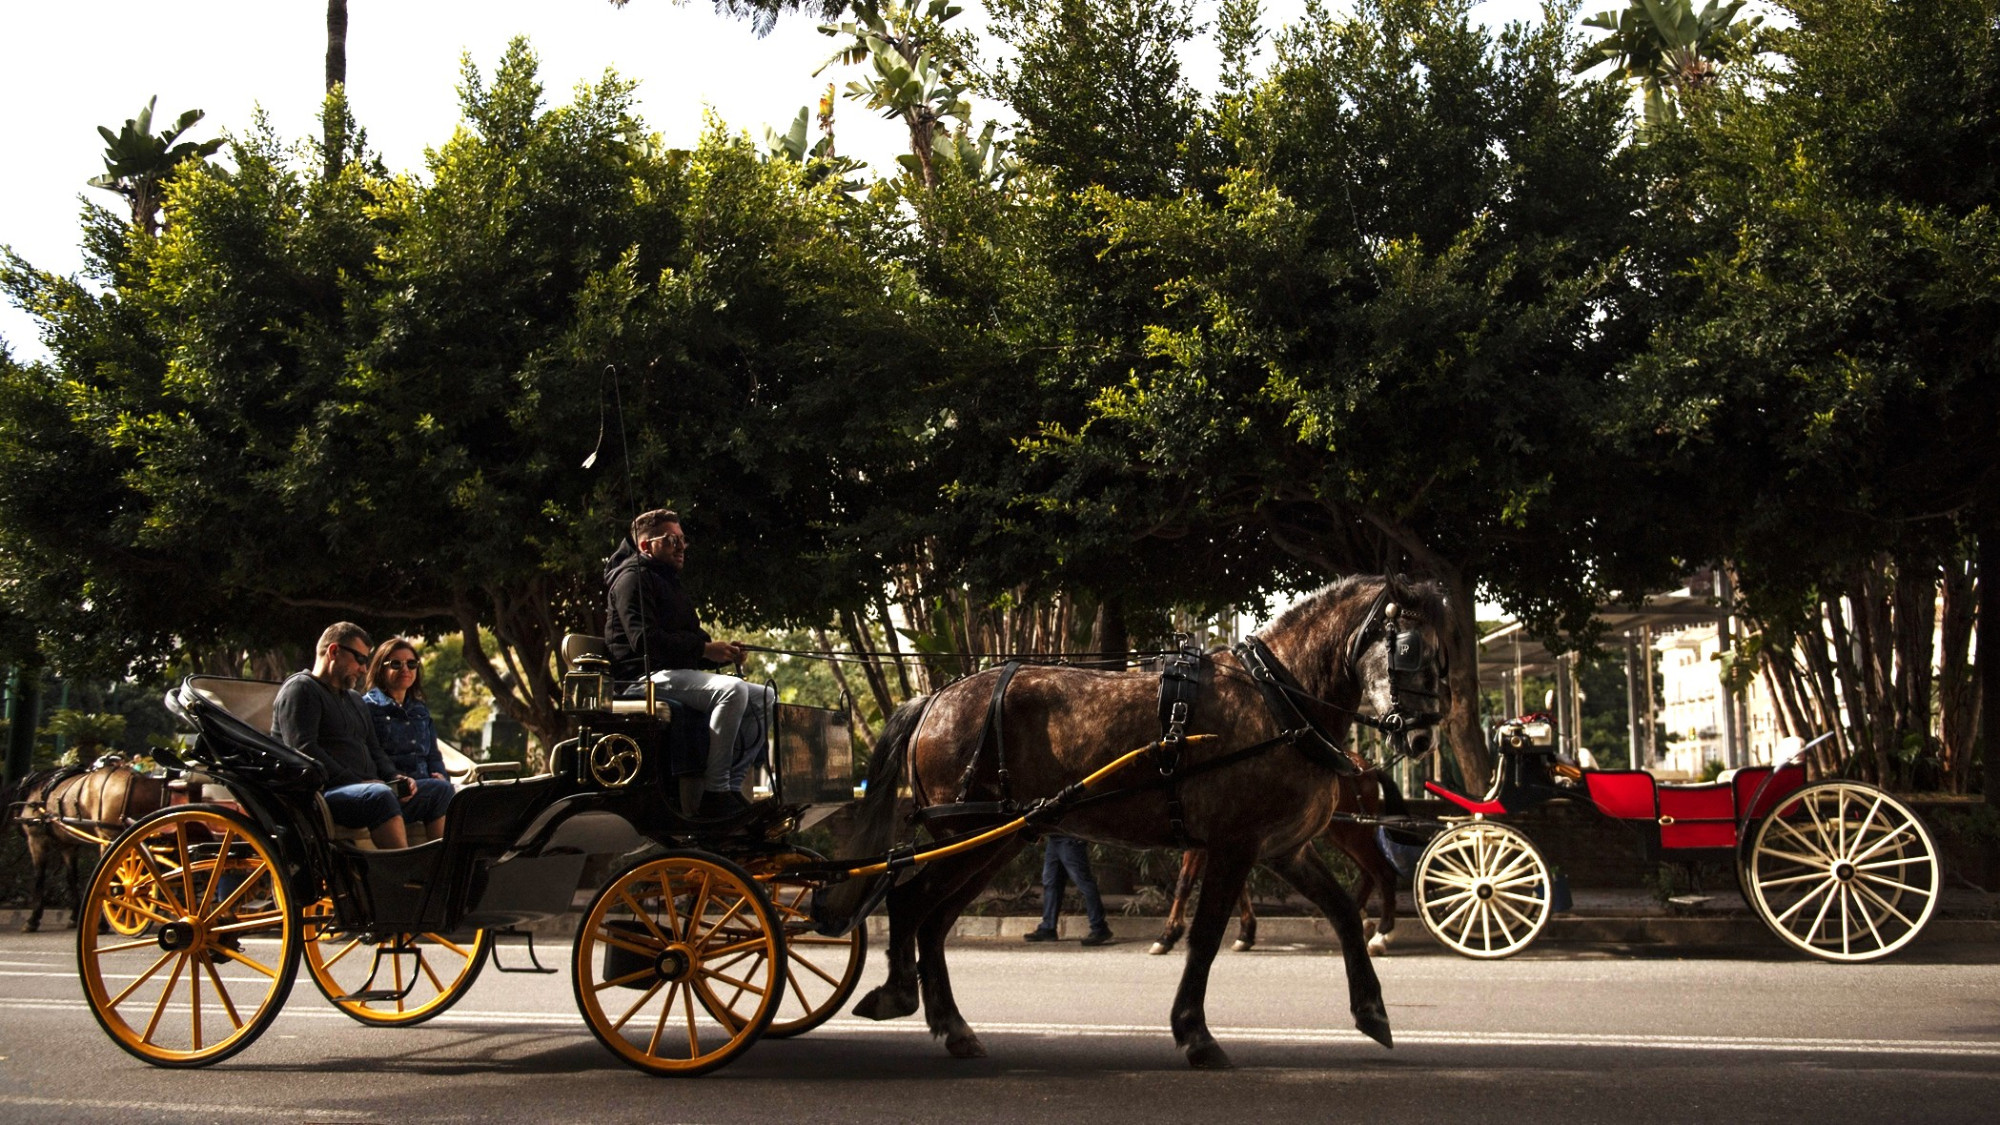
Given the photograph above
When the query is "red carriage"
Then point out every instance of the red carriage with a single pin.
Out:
(1838, 869)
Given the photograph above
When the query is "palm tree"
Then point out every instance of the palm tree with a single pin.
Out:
(137, 164)
(1668, 48)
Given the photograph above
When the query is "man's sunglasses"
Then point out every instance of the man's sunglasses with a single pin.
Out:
(360, 658)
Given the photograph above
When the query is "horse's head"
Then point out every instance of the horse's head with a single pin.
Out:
(1397, 654)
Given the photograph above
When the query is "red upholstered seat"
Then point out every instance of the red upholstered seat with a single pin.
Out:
(1789, 780)
(1627, 794)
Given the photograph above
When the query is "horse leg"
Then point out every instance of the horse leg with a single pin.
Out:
(1246, 923)
(1308, 873)
(1378, 877)
(38, 862)
(940, 1007)
(897, 996)
(1220, 887)
(1191, 862)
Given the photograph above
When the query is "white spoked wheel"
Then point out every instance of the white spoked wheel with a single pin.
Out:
(1482, 889)
(1842, 871)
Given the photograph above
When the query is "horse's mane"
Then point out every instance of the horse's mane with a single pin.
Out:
(1427, 596)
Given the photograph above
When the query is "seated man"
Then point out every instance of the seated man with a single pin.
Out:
(319, 713)
(652, 630)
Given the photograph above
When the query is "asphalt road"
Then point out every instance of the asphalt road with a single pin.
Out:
(1080, 1035)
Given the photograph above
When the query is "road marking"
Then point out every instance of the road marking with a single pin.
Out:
(330, 1116)
(565, 1021)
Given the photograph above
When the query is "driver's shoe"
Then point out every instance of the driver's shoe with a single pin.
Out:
(722, 805)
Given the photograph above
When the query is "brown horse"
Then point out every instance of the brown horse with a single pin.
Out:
(63, 812)
(1361, 794)
(1359, 645)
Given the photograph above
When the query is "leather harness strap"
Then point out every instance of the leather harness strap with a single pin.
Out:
(1278, 685)
(1180, 684)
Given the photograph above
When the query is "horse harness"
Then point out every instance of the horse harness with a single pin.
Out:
(1180, 684)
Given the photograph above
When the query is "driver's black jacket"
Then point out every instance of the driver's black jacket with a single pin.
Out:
(651, 622)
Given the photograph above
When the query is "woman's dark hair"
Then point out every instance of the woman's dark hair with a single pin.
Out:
(378, 676)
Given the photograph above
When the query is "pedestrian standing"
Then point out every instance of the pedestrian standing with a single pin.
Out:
(1067, 855)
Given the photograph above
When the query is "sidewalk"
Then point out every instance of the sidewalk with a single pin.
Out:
(1597, 917)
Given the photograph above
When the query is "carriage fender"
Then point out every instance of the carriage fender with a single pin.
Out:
(578, 823)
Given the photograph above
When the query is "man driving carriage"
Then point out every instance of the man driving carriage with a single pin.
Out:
(653, 631)
(320, 713)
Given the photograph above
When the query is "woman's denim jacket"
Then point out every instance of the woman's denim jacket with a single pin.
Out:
(405, 733)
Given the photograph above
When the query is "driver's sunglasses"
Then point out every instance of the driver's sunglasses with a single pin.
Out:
(400, 665)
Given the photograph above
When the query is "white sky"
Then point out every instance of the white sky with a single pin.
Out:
(69, 66)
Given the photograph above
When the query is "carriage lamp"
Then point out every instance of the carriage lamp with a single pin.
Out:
(585, 687)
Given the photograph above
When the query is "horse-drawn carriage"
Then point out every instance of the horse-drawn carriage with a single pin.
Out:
(699, 943)
(1836, 868)
(707, 935)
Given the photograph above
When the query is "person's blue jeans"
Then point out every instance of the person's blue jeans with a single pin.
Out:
(373, 804)
(1068, 855)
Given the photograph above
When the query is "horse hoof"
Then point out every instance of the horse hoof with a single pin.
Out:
(1209, 1056)
(31, 927)
(1378, 946)
(1373, 1022)
(1160, 947)
(965, 1047)
(882, 1004)
(1241, 945)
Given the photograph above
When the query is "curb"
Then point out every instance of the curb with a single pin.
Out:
(1410, 935)
(1739, 930)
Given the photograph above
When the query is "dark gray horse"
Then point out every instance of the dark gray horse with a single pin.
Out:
(1361, 646)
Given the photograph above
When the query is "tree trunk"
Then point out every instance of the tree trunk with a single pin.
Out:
(336, 44)
(1988, 641)
(23, 716)
(333, 118)
(1916, 626)
(1958, 695)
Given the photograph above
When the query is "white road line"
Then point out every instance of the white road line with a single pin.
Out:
(263, 1112)
(562, 1021)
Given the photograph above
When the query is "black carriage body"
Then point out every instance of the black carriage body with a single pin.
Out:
(513, 850)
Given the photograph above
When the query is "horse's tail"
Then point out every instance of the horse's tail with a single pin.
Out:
(874, 823)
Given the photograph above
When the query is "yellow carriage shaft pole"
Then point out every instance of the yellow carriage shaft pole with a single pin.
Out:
(1017, 823)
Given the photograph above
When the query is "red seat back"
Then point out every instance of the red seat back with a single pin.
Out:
(1627, 794)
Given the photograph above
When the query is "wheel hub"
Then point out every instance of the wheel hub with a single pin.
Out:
(1843, 871)
(1483, 890)
(673, 963)
(176, 936)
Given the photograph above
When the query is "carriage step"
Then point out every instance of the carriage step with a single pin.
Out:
(373, 996)
(534, 963)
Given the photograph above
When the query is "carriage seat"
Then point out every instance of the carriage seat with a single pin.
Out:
(581, 652)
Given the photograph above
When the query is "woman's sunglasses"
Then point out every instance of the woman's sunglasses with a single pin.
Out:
(400, 665)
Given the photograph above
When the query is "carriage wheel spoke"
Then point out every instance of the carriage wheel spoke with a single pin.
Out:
(1893, 836)
(687, 1003)
(659, 1025)
(696, 910)
(1826, 885)
(447, 943)
(242, 959)
(1892, 884)
(632, 977)
(1788, 880)
(644, 916)
(350, 947)
(812, 968)
(1826, 903)
(166, 994)
(143, 978)
(1886, 905)
(228, 1005)
(639, 1003)
(627, 942)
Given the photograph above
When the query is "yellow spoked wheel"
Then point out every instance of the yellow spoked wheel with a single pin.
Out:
(391, 980)
(220, 944)
(128, 897)
(679, 964)
(820, 972)
(1842, 871)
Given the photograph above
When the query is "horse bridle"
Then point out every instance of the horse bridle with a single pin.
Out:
(1407, 654)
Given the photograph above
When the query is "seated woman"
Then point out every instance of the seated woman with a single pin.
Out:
(403, 728)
